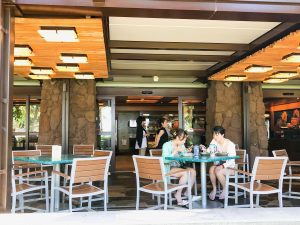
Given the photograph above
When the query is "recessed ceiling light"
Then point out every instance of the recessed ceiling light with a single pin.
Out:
(42, 70)
(39, 76)
(58, 34)
(235, 78)
(258, 69)
(274, 80)
(67, 67)
(23, 61)
(293, 58)
(155, 78)
(73, 58)
(23, 50)
(284, 74)
(84, 76)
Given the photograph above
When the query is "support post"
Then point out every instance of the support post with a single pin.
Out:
(246, 117)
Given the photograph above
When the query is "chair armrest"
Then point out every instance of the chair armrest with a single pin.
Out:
(293, 163)
(33, 172)
(61, 174)
(240, 171)
(242, 163)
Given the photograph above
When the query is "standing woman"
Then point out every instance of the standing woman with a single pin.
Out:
(173, 148)
(162, 134)
(141, 135)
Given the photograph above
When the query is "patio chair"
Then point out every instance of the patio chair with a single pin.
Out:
(152, 168)
(20, 167)
(264, 169)
(45, 149)
(289, 175)
(100, 153)
(155, 152)
(20, 188)
(84, 172)
(241, 163)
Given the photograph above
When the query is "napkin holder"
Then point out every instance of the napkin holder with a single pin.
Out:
(56, 152)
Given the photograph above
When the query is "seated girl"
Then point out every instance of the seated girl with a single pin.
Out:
(173, 148)
(223, 145)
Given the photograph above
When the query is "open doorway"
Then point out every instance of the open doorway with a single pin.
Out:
(128, 108)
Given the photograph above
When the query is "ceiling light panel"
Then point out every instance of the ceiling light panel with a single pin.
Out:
(73, 58)
(293, 58)
(258, 69)
(284, 75)
(42, 70)
(39, 76)
(23, 61)
(58, 34)
(84, 76)
(23, 50)
(67, 67)
(235, 78)
(274, 80)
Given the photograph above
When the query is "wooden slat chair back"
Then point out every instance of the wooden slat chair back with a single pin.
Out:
(280, 153)
(100, 153)
(149, 168)
(242, 154)
(83, 149)
(289, 175)
(90, 170)
(46, 150)
(25, 153)
(155, 152)
(266, 169)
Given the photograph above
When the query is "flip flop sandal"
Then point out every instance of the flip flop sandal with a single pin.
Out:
(182, 203)
(211, 196)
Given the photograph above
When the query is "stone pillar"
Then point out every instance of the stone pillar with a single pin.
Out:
(258, 129)
(50, 117)
(224, 108)
(82, 121)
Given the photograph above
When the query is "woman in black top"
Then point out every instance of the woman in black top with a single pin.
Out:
(141, 135)
(162, 134)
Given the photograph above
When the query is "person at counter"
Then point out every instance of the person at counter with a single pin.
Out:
(219, 171)
(141, 135)
(176, 147)
(162, 134)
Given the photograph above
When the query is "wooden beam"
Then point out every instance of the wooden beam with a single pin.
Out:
(192, 9)
(178, 45)
(172, 73)
(170, 57)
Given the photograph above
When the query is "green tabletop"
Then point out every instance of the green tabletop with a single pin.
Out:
(67, 158)
(200, 159)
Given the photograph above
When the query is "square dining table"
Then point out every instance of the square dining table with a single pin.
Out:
(55, 162)
(203, 161)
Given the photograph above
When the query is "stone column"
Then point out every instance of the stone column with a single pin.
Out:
(50, 117)
(82, 121)
(258, 129)
(224, 108)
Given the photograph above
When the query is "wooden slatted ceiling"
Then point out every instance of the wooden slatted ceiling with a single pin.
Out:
(269, 56)
(46, 54)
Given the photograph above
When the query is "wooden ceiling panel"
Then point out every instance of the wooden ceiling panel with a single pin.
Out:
(270, 56)
(46, 54)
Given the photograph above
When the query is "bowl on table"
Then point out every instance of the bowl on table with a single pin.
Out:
(220, 154)
(204, 154)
